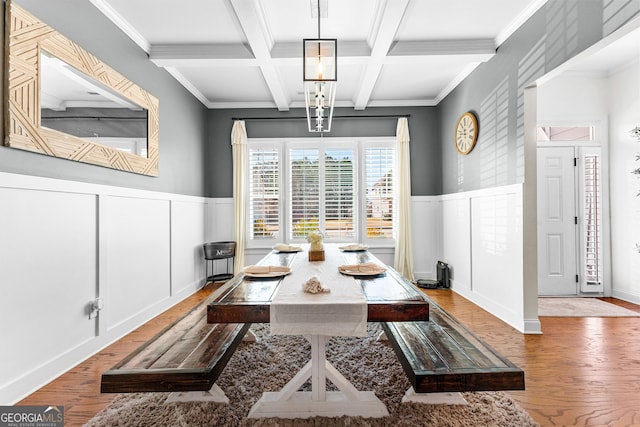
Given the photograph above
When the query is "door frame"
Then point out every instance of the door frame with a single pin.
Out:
(600, 140)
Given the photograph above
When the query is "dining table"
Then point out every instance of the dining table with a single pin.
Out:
(352, 287)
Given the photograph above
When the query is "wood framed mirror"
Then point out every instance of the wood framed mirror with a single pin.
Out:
(96, 115)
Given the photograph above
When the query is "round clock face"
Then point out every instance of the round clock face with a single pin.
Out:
(466, 133)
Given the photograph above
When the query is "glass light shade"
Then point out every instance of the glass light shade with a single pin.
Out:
(320, 60)
(319, 98)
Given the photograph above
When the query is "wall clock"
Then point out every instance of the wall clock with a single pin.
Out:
(466, 133)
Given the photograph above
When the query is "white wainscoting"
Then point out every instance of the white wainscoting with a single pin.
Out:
(47, 276)
(137, 259)
(188, 223)
(456, 240)
(483, 243)
(64, 244)
(426, 219)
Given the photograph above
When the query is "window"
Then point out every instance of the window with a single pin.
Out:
(322, 192)
(565, 133)
(379, 163)
(339, 194)
(264, 193)
(341, 186)
(592, 214)
(304, 192)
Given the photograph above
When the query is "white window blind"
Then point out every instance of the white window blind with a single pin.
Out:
(304, 192)
(341, 186)
(379, 165)
(264, 193)
(339, 195)
(592, 219)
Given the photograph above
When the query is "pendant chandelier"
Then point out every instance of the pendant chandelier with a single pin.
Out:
(320, 79)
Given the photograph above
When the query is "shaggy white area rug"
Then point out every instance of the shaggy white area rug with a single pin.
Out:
(581, 307)
(266, 365)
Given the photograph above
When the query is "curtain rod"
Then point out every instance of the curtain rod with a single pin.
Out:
(382, 116)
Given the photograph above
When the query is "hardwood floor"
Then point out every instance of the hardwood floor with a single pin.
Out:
(580, 372)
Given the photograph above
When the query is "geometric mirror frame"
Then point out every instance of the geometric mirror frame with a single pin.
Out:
(26, 39)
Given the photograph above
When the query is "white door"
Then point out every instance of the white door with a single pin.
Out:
(557, 266)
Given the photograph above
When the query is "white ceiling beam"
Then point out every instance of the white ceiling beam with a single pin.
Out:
(200, 51)
(204, 62)
(429, 59)
(389, 18)
(237, 54)
(201, 55)
(347, 48)
(288, 53)
(443, 47)
(251, 19)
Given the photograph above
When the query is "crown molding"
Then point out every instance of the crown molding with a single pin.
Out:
(519, 21)
(455, 82)
(122, 23)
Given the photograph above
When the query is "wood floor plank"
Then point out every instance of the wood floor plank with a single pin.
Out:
(580, 372)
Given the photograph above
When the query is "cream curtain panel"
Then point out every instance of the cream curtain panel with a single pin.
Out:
(403, 261)
(239, 147)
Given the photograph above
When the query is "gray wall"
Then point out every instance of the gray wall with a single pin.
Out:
(424, 132)
(195, 151)
(182, 117)
(494, 91)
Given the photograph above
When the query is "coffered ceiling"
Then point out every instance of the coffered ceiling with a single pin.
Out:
(247, 53)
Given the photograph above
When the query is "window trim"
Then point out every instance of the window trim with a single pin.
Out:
(359, 144)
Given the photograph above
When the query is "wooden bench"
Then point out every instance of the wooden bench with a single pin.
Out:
(442, 356)
(187, 355)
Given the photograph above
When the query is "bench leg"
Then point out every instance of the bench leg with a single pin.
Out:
(215, 394)
(249, 337)
(434, 398)
(291, 403)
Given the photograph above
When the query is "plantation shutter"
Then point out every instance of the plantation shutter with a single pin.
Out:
(379, 165)
(304, 192)
(339, 199)
(264, 193)
(592, 219)
(343, 188)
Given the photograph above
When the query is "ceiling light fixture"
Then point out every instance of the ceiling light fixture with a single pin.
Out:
(320, 76)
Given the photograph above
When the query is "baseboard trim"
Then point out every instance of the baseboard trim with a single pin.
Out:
(626, 296)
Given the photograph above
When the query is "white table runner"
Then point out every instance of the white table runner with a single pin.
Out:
(341, 312)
